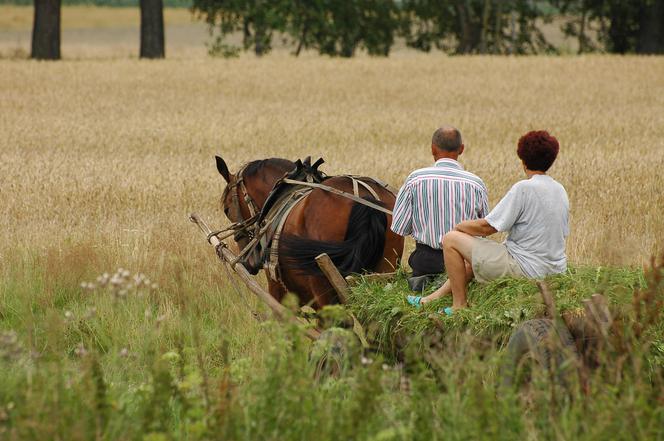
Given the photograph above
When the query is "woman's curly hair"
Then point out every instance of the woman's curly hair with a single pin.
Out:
(538, 150)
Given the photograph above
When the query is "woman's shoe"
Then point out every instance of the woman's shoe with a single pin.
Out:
(416, 301)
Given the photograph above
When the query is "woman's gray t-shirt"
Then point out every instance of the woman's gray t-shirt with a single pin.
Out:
(535, 212)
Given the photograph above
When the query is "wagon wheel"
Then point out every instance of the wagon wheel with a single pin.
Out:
(334, 352)
(538, 347)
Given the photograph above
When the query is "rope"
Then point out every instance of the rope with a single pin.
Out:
(232, 228)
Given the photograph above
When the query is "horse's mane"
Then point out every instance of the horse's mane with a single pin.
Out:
(254, 167)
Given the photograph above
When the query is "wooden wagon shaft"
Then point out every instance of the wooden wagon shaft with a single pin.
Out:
(227, 256)
(333, 276)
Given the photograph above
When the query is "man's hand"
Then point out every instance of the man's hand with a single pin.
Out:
(478, 227)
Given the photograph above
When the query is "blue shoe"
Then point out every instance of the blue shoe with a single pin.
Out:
(416, 301)
(446, 311)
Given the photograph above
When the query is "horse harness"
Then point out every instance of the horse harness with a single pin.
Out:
(240, 229)
(264, 226)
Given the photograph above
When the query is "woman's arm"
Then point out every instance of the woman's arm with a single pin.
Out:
(478, 227)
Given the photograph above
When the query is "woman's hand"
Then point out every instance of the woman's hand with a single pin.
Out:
(478, 227)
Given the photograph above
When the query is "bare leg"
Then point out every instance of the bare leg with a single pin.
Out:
(447, 286)
(457, 249)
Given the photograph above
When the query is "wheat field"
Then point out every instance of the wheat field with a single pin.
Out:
(116, 153)
(102, 160)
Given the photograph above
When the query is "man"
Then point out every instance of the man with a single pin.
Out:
(535, 213)
(433, 200)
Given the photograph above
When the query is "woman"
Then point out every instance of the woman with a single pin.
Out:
(534, 213)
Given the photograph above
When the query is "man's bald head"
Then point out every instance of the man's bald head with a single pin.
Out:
(447, 139)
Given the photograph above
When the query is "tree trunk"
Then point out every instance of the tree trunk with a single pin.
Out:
(619, 28)
(464, 36)
(46, 30)
(512, 48)
(259, 43)
(152, 29)
(303, 39)
(498, 31)
(651, 35)
(486, 11)
(246, 33)
(582, 29)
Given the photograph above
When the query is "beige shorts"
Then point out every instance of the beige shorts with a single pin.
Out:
(491, 261)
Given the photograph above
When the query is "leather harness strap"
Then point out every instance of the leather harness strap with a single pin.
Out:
(281, 214)
(268, 231)
(367, 187)
(341, 193)
(356, 191)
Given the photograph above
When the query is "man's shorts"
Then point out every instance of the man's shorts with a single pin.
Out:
(491, 261)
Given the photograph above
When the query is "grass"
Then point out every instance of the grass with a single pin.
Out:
(102, 160)
(496, 307)
(136, 368)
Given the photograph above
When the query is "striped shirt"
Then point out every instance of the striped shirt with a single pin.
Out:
(434, 199)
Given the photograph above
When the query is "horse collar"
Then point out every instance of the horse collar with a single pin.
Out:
(239, 184)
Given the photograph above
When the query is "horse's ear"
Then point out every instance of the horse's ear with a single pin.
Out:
(317, 164)
(223, 169)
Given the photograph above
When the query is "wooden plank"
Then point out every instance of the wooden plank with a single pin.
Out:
(594, 316)
(602, 308)
(226, 256)
(547, 297)
(333, 276)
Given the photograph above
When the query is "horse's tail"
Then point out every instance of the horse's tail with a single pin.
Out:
(361, 250)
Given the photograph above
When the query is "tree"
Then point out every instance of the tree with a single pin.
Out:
(46, 30)
(624, 25)
(475, 26)
(336, 28)
(256, 19)
(304, 20)
(651, 32)
(152, 29)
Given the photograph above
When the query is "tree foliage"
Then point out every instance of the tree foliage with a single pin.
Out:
(341, 28)
(622, 26)
(475, 26)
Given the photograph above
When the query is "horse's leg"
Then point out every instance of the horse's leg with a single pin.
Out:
(322, 290)
(313, 290)
(277, 289)
(391, 253)
(320, 224)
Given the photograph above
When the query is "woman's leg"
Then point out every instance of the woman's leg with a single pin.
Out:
(447, 286)
(458, 249)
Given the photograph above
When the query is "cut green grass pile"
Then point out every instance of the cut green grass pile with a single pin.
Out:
(496, 308)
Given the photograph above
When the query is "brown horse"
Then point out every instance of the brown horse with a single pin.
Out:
(356, 237)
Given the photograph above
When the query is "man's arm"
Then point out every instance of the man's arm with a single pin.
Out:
(402, 222)
(477, 227)
(483, 208)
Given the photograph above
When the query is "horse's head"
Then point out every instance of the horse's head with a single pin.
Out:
(245, 195)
